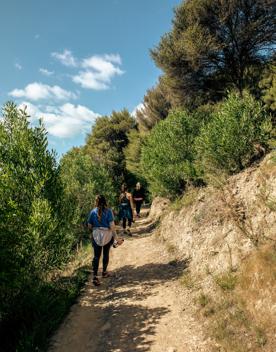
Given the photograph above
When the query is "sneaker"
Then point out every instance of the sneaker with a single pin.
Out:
(96, 281)
(106, 274)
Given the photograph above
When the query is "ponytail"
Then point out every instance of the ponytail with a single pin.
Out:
(101, 205)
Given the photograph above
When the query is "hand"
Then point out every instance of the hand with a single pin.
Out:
(118, 242)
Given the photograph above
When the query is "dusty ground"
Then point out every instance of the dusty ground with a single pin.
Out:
(142, 307)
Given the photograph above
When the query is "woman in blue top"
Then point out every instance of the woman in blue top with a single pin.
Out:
(101, 222)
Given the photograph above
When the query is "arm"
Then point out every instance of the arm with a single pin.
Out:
(131, 202)
(112, 225)
(113, 229)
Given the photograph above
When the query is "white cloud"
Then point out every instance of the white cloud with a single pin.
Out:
(88, 79)
(138, 107)
(102, 64)
(18, 66)
(99, 70)
(65, 121)
(46, 72)
(116, 58)
(66, 58)
(38, 91)
(96, 72)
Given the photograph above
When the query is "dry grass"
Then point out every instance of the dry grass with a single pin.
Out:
(187, 200)
(206, 304)
(234, 209)
(259, 271)
(188, 281)
(230, 324)
(257, 283)
(233, 328)
(171, 249)
(236, 212)
(265, 178)
(203, 300)
(199, 217)
(239, 315)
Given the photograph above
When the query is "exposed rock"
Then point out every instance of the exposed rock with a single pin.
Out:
(223, 225)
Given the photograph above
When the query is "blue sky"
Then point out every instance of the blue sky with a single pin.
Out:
(70, 61)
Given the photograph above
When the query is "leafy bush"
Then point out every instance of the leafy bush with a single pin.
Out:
(168, 154)
(268, 87)
(83, 180)
(35, 235)
(41, 313)
(231, 140)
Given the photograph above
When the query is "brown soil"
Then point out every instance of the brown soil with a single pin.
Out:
(142, 307)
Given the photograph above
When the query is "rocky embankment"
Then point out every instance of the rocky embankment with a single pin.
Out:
(228, 234)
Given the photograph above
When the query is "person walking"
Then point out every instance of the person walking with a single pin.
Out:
(101, 222)
(138, 197)
(126, 209)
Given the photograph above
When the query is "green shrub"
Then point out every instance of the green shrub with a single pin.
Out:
(203, 300)
(83, 180)
(226, 282)
(168, 154)
(35, 234)
(268, 87)
(42, 311)
(230, 140)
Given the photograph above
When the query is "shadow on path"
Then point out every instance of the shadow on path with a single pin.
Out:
(145, 229)
(126, 324)
(129, 327)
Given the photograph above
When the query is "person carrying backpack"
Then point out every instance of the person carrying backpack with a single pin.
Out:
(101, 222)
(126, 207)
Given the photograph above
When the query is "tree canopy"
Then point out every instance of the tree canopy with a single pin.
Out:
(212, 46)
(107, 141)
(156, 106)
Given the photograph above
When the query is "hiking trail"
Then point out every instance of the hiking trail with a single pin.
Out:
(142, 307)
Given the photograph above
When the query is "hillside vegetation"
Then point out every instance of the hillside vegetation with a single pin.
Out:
(210, 116)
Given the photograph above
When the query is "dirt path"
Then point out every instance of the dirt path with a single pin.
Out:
(143, 307)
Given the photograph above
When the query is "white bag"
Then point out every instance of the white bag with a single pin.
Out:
(102, 235)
